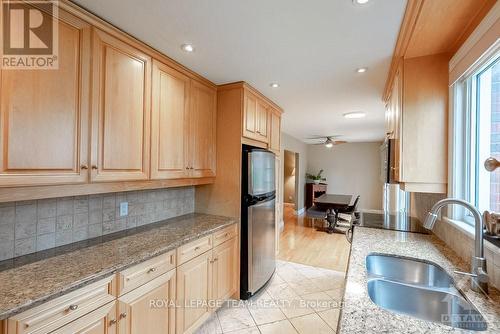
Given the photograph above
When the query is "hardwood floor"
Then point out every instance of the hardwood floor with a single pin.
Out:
(301, 243)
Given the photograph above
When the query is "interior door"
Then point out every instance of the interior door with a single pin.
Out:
(203, 130)
(121, 111)
(44, 114)
(169, 126)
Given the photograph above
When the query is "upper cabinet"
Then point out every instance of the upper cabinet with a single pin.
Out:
(202, 131)
(275, 131)
(417, 118)
(255, 118)
(121, 110)
(44, 115)
(169, 123)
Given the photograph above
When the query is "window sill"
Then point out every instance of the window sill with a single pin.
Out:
(469, 230)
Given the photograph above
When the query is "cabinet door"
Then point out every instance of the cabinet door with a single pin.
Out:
(150, 308)
(44, 115)
(250, 123)
(262, 120)
(121, 111)
(169, 126)
(225, 272)
(100, 321)
(194, 287)
(203, 130)
(275, 135)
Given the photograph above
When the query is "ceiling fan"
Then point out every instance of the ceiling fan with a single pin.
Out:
(328, 141)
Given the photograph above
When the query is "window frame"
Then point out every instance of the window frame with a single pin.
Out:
(464, 104)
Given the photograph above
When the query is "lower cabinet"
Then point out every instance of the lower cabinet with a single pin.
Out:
(152, 297)
(225, 270)
(194, 290)
(100, 321)
(149, 309)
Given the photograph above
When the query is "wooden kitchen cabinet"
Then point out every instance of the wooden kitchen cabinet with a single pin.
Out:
(101, 321)
(275, 132)
(255, 118)
(121, 110)
(149, 309)
(194, 285)
(170, 131)
(44, 115)
(202, 130)
(417, 120)
(225, 270)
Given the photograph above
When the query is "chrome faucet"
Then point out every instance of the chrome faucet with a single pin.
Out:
(479, 276)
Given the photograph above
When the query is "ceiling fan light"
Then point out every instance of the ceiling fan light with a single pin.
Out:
(329, 145)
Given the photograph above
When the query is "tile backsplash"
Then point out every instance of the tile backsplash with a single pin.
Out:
(30, 226)
(458, 240)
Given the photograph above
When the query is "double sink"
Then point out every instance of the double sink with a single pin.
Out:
(421, 289)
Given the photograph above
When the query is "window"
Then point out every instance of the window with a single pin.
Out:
(477, 121)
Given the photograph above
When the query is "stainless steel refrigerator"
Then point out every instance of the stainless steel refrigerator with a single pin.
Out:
(258, 200)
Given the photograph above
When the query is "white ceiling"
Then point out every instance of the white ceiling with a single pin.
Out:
(312, 48)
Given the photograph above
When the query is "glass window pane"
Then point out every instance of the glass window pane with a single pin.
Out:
(487, 144)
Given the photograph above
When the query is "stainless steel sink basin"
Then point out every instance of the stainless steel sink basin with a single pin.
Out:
(407, 270)
(420, 289)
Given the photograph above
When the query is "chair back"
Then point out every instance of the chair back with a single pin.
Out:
(355, 205)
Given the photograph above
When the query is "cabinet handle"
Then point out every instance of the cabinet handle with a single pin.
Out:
(84, 167)
(151, 270)
(123, 315)
(73, 307)
(94, 167)
(112, 322)
(196, 248)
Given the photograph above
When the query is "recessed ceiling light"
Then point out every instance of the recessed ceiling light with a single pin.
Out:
(356, 114)
(274, 85)
(187, 47)
(361, 70)
(360, 2)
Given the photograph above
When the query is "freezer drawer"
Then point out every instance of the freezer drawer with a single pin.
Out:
(261, 244)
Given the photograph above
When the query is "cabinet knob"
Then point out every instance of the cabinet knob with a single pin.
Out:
(491, 164)
(123, 315)
(84, 167)
(112, 322)
(151, 270)
(73, 307)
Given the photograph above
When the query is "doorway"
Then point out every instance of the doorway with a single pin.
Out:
(290, 181)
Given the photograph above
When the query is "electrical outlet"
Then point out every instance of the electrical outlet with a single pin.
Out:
(123, 209)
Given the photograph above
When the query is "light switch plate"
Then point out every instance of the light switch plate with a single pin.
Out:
(123, 209)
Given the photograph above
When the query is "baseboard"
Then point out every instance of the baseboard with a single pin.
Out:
(300, 212)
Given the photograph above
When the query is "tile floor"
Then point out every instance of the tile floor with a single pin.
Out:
(299, 299)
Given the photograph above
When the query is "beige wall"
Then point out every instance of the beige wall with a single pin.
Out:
(292, 144)
(352, 168)
(289, 177)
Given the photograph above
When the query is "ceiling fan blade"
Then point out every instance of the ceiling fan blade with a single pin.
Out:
(338, 142)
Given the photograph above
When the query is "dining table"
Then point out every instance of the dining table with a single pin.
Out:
(332, 204)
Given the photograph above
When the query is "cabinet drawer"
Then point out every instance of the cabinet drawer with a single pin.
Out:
(193, 249)
(61, 311)
(140, 274)
(225, 234)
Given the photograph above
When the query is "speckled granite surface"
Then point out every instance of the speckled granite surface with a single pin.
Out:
(32, 284)
(361, 315)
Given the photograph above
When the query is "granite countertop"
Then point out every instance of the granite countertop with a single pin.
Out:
(26, 286)
(361, 315)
